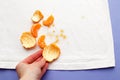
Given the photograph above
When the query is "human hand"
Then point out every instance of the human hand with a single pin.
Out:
(33, 67)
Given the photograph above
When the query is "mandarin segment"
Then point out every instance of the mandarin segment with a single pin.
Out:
(37, 16)
(41, 41)
(34, 29)
(27, 40)
(49, 21)
(51, 52)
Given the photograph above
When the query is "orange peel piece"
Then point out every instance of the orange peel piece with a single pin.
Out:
(27, 40)
(34, 29)
(51, 52)
(41, 41)
(37, 16)
(49, 21)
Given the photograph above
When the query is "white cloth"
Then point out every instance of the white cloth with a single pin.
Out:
(86, 23)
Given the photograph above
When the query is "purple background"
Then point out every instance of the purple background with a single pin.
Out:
(98, 74)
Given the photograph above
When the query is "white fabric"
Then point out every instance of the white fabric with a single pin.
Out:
(86, 23)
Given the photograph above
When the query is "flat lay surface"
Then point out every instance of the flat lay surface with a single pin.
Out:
(88, 43)
(98, 74)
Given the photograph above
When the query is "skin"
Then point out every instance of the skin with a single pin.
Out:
(33, 67)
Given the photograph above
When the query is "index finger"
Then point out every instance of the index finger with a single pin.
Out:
(33, 57)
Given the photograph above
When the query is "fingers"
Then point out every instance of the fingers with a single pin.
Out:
(33, 57)
(38, 59)
(44, 69)
(40, 63)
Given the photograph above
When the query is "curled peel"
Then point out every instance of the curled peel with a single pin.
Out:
(27, 40)
(37, 16)
(51, 52)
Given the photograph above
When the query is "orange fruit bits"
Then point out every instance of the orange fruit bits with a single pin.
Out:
(37, 16)
(49, 21)
(41, 41)
(34, 29)
(28, 39)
